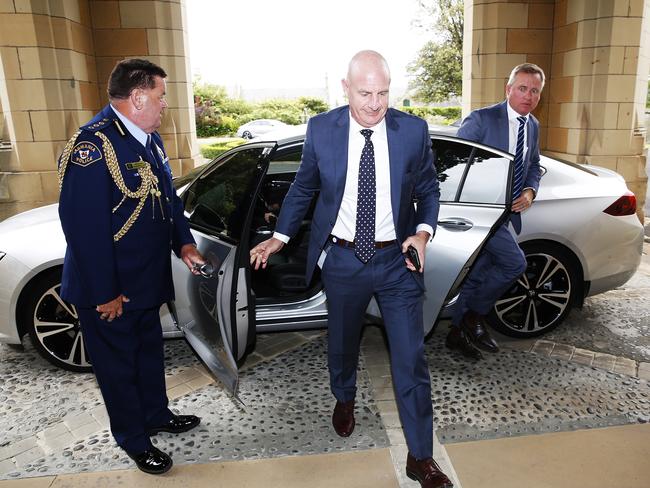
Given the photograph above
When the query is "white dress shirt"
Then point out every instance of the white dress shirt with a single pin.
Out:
(347, 218)
(513, 125)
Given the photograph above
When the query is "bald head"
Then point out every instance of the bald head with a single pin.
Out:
(366, 86)
(367, 61)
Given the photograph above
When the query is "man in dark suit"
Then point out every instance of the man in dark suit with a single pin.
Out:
(369, 165)
(122, 218)
(511, 127)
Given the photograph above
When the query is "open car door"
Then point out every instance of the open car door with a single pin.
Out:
(474, 201)
(216, 309)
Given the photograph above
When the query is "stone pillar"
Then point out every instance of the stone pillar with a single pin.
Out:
(155, 30)
(598, 87)
(55, 58)
(47, 88)
(595, 54)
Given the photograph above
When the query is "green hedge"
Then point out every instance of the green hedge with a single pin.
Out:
(213, 150)
(449, 113)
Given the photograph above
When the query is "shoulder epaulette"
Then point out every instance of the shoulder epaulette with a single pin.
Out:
(98, 125)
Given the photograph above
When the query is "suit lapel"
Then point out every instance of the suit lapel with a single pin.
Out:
(395, 161)
(339, 144)
(503, 135)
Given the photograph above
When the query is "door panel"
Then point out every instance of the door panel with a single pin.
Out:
(200, 310)
(212, 308)
(474, 201)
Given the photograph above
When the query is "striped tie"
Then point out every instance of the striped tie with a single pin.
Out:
(518, 178)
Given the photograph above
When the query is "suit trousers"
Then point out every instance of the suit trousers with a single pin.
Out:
(500, 263)
(350, 284)
(128, 360)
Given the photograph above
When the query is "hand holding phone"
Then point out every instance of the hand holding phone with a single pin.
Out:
(414, 257)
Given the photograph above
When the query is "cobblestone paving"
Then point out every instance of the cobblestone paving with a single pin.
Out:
(515, 392)
(31, 402)
(616, 322)
(288, 408)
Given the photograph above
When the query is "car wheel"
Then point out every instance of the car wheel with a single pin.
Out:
(247, 135)
(53, 325)
(541, 298)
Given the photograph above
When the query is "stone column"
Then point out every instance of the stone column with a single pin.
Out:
(595, 54)
(155, 30)
(47, 88)
(55, 58)
(599, 80)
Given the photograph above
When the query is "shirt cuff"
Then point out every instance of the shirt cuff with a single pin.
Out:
(281, 237)
(427, 228)
(531, 189)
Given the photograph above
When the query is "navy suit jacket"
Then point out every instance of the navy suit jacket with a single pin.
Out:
(324, 167)
(97, 269)
(489, 126)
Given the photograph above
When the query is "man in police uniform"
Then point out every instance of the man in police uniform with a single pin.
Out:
(122, 218)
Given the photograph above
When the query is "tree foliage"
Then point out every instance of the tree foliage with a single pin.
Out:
(438, 67)
(218, 114)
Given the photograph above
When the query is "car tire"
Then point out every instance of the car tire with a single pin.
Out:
(247, 135)
(53, 325)
(542, 297)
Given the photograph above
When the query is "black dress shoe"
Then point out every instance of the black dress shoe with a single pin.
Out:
(427, 472)
(152, 461)
(457, 339)
(474, 325)
(343, 418)
(177, 424)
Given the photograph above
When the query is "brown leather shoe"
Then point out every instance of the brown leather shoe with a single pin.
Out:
(343, 418)
(474, 325)
(427, 472)
(457, 339)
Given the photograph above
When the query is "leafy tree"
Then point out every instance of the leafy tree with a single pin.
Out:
(438, 67)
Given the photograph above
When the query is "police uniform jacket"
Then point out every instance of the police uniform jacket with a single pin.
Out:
(120, 215)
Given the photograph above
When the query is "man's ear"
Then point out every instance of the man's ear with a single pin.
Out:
(137, 98)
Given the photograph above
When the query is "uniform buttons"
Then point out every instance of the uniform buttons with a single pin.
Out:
(167, 198)
(171, 220)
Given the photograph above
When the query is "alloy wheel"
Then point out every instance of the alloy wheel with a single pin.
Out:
(57, 333)
(540, 298)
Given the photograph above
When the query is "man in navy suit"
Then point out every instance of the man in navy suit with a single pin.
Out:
(511, 127)
(369, 165)
(122, 219)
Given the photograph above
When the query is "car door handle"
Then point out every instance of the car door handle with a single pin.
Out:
(456, 224)
(263, 231)
(206, 270)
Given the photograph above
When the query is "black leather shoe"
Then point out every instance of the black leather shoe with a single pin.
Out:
(178, 424)
(474, 325)
(427, 472)
(343, 418)
(152, 461)
(457, 339)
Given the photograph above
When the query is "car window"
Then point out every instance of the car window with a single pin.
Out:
(451, 159)
(219, 200)
(486, 180)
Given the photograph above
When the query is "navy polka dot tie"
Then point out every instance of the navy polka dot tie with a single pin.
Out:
(364, 238)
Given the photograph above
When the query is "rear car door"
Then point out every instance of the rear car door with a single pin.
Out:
(216, 309)
(474, 200)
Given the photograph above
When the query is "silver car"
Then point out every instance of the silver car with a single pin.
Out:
(581, 237)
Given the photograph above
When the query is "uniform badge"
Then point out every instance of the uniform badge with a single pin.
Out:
(136, 165)
(85, 153)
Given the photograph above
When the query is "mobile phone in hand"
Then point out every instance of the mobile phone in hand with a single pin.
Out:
(414, 257)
